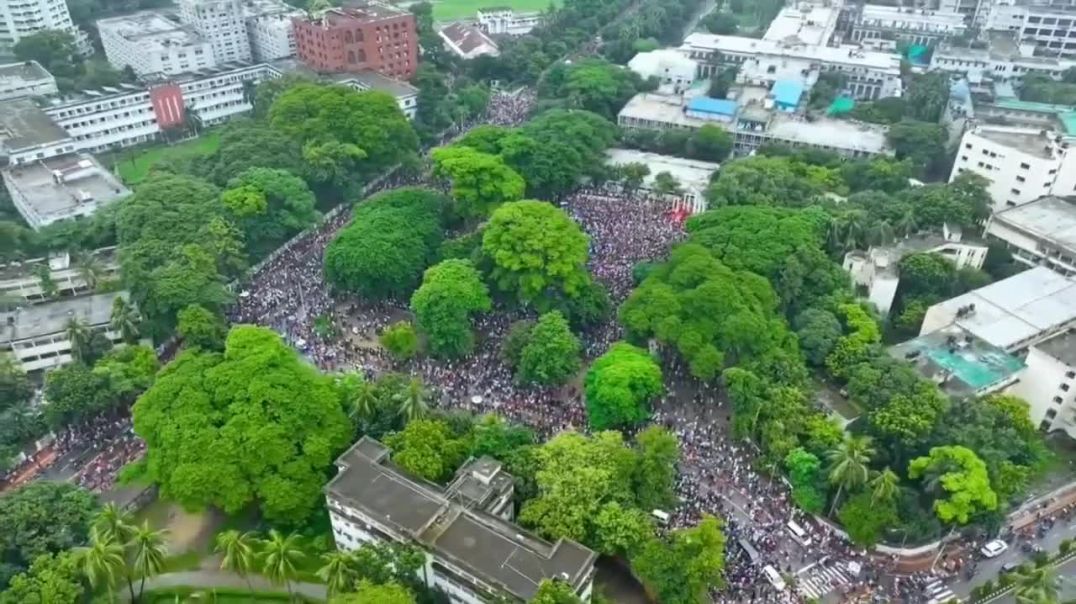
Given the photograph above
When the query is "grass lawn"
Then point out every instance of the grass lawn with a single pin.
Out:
(134, 164)
(444, 10)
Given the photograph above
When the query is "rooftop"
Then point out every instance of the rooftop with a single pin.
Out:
(1031, 142)
(266, 8)
(689, 172)
(661, 108)
(912, 16)
(787, 92)
(24, 125)
(365, 13)
(366, 80)
(1009, 312)
(1062, 347)
(1051, 219)
(852, 56)
(151, 30)
(55, 187)
(44, 319)
(14, 74)
(495, 550)
(825, 132)
(705, 104)
(467, 38)
(806, 23)
(960, 363)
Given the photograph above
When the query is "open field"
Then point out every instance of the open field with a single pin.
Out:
(134, 164)
(447, 10)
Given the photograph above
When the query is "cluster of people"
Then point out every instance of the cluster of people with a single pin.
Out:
(99, 475)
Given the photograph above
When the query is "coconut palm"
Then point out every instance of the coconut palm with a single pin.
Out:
(250, 92)
(149, 550)
(907, 225)
(854, 223)
(279, 556)
(1038, 585)
(881, 233)
(80, 335)
(49, 288)
(360, 396)
(90, 269)
(337, 572)
(884, 486)
(848, 465)
(412, 400)
(237, 553)
(102, 562)
(112, 520)
(125, 319)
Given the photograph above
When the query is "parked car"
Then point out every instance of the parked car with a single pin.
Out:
(994, 548)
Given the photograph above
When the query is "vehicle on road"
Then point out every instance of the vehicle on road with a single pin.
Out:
(994, 548)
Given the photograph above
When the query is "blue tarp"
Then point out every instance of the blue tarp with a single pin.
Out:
(787, 93)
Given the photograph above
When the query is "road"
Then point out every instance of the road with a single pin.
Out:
(1068, 585)
(989, 569)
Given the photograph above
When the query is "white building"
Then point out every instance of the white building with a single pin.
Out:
(25, 79)
(962, 365)
(474, 552)
(804, 22)
(36, 336)
(467, 41)
(1005, 60)
(877, 22)
(503, 21)
(269, 28)
(1049, 383)
(70, 186)
(692, 175)
(1022, 164)
(27, 134)
(222, 24)
(877, 269)
(1012, 314)
(670, 67)
(20, 18)
(22, 280)
(150, 43)
(1039, 233)
(1048, 28)
(405, 94)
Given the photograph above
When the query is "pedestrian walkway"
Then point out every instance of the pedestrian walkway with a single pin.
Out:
(939, 593)
(209, 579)
(820, 579)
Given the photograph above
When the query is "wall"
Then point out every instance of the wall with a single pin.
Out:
(1039, 386)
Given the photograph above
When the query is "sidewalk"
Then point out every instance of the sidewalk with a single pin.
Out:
(209, 579)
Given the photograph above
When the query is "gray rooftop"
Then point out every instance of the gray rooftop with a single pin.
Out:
(1062, 347)
(495, 550)
(57, 186)
(1032, 143)
(960, 363)
(26, 71)
(1051, 219)
(45, 319)
(24, 125)
(152, 29)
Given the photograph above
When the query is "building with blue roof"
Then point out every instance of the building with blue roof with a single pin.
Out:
(706, 108)
(787, 94)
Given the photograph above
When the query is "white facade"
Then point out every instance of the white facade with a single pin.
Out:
(20, 279)
(982, 65)
(669, 66)
(506, 22)
(1049, 384)
(1039, 233)
(36, 335)
(19, 80)
(918, 26)
(269, 28)
(222, 24)
(20, 18)
(150, 43)
(1048, 28)
(1021, 164)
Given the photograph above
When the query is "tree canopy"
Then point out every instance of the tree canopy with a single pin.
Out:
(40, 518)
(620, 386)
(452, 291)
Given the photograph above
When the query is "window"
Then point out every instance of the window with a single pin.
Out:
(1051, 413)
(1020, 179)
(1070, 374)
(1057, 400)
(1015, 191)
(1024, 166)
(1064, 387)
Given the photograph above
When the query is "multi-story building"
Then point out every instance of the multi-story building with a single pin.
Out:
(20, 18)
(1021, 164)
(22, 280)
(693, 176)
(1050, 29)
(503, 21)
(58, 188)
(962, 365)
(467, 41)
(270, 29)
(27, 134)
(222, 24)
(672, 69)
(876, 23)
(1049, 383)
(1005, 60)
(373, 37)
(1039, 233)
(29, 78)
(474, 552)
(151, 43)
(37, 337)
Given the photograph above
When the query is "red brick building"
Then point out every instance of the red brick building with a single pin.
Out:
(352, 39)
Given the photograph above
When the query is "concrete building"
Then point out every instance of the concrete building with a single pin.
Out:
(1039, 233)
(27, 134)
(877, 269)
(467, 41)
(1048, 384)
(270, 30)
(876, 23)
(22, 280)
(503, 21)
(222, 24)
(150, 43)
(1049, 29)
(962, 365)
(1004, 60)
(373, 37)
(1012, 314)
(60, 188)
(692, 175)
(474, 552)
(1022, 164)
(19, 80)
(972, 10)
(674, 72)
(405, 94)
(36, 336)
(20, 18)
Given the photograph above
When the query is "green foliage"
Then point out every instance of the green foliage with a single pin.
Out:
(480, 181)
(428, 448)
(254, 423)
(721, 23)
(862, 334)
(959, 481)
(77, 392)
(773, 181)
(43, 518)
(269, 206)
(400, 340)
(591, 84)
(1041, 88)
(655, 476)
(15, 387)
(552, 353)
(710, 143)
(620, 385)
(389, 242)
(51, 578)
(367, 592)
(451, 292)
(198, 326)
(921, 143)
(818, 331)
(804, 472)
(552, 591)
(686, 565)
(866, 520)
(519, 333)
(245, 145)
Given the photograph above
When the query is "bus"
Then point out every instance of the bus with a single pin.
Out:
(798, 533)
(774, 577)
(660, 516)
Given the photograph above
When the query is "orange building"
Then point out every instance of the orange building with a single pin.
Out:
(353, 39)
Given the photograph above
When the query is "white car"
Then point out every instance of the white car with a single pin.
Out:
(994, 548)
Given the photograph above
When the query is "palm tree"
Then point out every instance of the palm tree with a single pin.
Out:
(884, 486)
(1037, 585)
(363, 401)
(337, 572)
(45, 281)
(279, 557)
(848, 465)
(125, 319)
(79, 334)
(881, 233)
(854, 228)
(102, 561)
(112, 520)
(149, 551)
(90, 269)
(238, 554)
(412, 400)
(908, 225)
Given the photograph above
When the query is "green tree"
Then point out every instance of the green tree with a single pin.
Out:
(818, 331)
(1037, 585)
(552, 353)
(51, 578)
(428, 448)
(552, 591)
(666, 184)
(885, 486)
(451, 293)
(198, 326)
(620, 385)
(721, 23)
(245, 145)
(102, 562)
(592, 84)
(237, 553)
(115, 521)
(79, 333)
(480, 181)
(866, 520)
(412, 401)
(269, 206)
(686, 565)
(804, 470)
(54, 49)
(371, 593)
(42, 518)
(655, 474)
(710, 143)
(337, 571)
(962, 476)
(400, 340)
(125, 319)
(280, 557)
(148, 554)
(15, 387)
(921, 143)
(849, 465)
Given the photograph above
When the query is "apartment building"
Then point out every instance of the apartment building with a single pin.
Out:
(474, 552)
(877, 23)
(152, 42)
(1049, 384)
(1039, 233)
(29, 78)
(1021, 164)
(374, 37)
(503, 21)
(270, 29)
(1004, 60)
(36, 336)
(22, 280)
(222, 23)
(20, 18)
(1050, 29)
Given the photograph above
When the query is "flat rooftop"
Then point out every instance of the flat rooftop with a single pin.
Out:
(912, 17)
(495, 550)
(841, 134)
(852, 56)
(959, 362)
(689, 172)
(1031, 143)
(660, 108)
(59, 185)
(1062, 347)
(24, 125)
(809, 24)
(26, 71)
(151, 29)
(1052, 219)
(41, 320)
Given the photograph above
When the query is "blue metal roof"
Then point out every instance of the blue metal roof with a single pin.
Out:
(705, 104)
(787, 92)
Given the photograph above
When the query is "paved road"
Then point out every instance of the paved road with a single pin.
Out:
(209, 579)
(1068, 585)
(989, 569)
